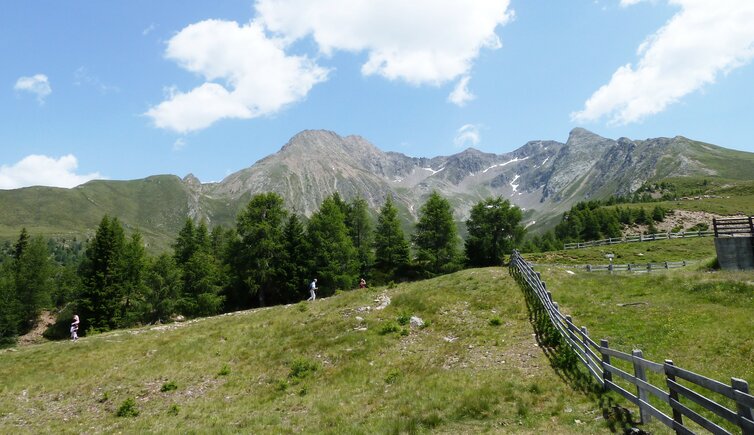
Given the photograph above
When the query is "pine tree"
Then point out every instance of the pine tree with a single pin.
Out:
(34, 283)
(296, 260)
(360, 230)
(436, 237)
(494, 230)
(391, 247)
(201, 272)
(333, 253)
(132, 280)
(163, 289)
(9, 310)
(101, 297)
(260, 227)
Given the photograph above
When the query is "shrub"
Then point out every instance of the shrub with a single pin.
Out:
(302, 368)
(495, 321)
(168, 386)
(128, 408)
(225, 371)
(403, 319)
(389, 328)
(173, 410)
(302, 307)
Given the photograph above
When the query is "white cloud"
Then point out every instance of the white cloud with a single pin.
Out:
(467, 136)
(179, 144)
(461, 95)
(39, 170)
(257, 76)
(148, 29)
(37, 84)
(418, 41)
(698, 44)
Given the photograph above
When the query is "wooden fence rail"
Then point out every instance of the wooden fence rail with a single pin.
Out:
(639, 238)
(733, 226)
(636, 267)
(683, 395)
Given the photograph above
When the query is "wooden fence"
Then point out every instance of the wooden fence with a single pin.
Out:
(733, 226)
(661, 390)
(636, 267)
(639, 238)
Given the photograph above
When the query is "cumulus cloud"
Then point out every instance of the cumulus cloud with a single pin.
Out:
(256, 77)
(39, 170)
(703, 41)
(179, 144)
(248, 70)
(467, 136)
(37, 84)
(461, 95)
(418, 41)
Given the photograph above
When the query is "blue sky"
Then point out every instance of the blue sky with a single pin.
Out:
(128, 89)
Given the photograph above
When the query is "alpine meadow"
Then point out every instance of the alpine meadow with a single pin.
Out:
(452, 217)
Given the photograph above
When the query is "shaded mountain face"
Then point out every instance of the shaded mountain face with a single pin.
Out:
(544, 178)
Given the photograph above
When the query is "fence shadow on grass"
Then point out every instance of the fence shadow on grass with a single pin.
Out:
(566, 365)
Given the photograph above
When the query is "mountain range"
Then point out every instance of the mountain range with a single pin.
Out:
(543, 177)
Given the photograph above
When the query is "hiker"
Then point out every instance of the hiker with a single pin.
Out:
(312, 287)
(75, 328)
(362, 283)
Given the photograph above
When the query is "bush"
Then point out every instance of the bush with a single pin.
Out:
(168, 386)
(389, 328)
(128, 408)
(225, 371)
(173, 410)
(496, 321)
(302, 368)
(403, 319)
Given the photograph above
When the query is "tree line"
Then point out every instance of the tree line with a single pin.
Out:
(595, 220)
(267, 258)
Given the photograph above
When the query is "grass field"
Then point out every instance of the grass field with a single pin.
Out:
(694, 249)
(701, 320)
(309, 367)
(336, 366)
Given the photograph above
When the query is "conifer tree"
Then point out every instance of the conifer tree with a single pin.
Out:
(163, 289)
(334, 256)
(494, 230)
(9, 311)
(34, 283)
(391, 246)
(201, 272)
(101, 296)
(360, 230)
(436, 237)
(132, 280)
(260, 228)
(296, 260)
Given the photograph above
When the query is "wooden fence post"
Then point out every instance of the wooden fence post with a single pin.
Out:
(666, 265)
(641, 374)
(607, 375)
(629, 267)
(649, 266)
(743, 410)
(677, 415)
(588, 267)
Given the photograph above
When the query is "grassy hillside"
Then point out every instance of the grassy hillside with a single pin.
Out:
(157, 206)
(474, 368)
(702, 321)
(693, 249)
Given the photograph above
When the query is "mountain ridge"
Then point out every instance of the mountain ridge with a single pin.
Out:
(543, 177)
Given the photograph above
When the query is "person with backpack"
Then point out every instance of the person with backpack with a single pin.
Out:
(312, 287)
